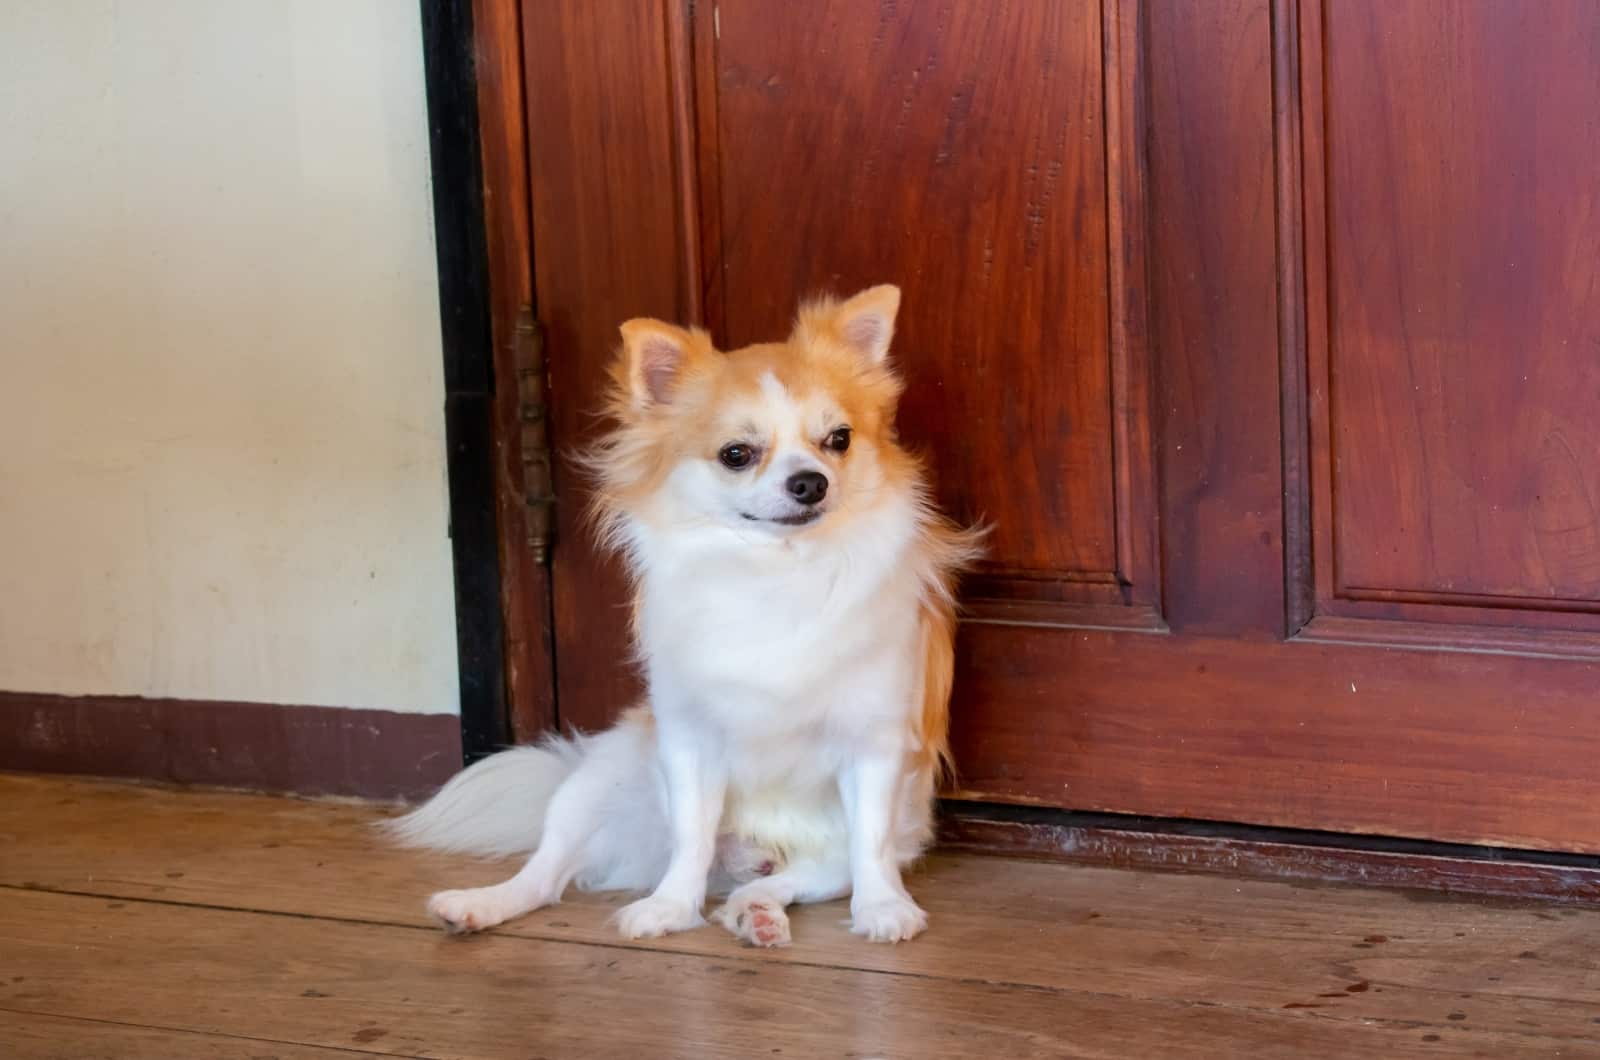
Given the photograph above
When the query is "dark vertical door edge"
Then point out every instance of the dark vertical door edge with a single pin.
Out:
(447, 47)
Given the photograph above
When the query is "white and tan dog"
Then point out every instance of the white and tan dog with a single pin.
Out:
(794, 619)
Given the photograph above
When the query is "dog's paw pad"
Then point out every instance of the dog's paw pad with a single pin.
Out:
(764, 924)
(760, 921)
(888, 920)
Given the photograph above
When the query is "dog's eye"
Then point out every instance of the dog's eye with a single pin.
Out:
(838, 441)
(736, 457)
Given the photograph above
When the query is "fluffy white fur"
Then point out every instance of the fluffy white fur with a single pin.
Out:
(779, 756)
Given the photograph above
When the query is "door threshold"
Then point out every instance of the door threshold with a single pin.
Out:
(1424, 868)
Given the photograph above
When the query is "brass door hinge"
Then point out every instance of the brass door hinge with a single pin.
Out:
(538, 493)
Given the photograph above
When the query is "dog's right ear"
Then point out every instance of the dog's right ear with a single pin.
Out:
(654, 355)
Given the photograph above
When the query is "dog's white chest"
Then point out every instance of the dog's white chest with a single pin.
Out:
(785, 643)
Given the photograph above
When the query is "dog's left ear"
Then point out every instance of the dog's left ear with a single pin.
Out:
(865, 322)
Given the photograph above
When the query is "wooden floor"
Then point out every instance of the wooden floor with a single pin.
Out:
(141, 922)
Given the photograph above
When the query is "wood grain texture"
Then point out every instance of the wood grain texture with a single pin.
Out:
(1487, 637)
(1213, 284)
(1299, 575)
(1133, 443)
(1334, 737)
(959, 151)
(1457, 354)
(524, 584)
(411, 991)
(30, 1036)
(609, 239)
(1023, 958)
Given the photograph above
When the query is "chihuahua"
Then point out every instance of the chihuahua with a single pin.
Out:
(793, 616)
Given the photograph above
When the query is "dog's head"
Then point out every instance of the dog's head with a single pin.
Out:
(779, 439)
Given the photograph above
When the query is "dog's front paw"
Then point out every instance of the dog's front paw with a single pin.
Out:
(464, 911)
(756, 918)
(655, 916)
(892, 919)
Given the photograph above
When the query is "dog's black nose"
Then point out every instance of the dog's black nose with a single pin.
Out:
(808, 487)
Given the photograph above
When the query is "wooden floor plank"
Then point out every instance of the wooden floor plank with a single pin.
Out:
(409, 992)
(28, 1036)
(1344, 953)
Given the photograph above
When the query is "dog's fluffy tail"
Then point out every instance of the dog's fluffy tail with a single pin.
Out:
(493, 808)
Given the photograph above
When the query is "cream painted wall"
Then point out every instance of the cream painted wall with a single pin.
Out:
(221, 404)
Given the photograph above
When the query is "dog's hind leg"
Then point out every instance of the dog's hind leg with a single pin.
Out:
(569, 820)
(755, 911)
(590, 815)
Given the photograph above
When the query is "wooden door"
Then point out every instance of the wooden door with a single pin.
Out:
(1266, 333)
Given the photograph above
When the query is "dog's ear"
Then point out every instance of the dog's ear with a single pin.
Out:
(865, 322)
(654, 355)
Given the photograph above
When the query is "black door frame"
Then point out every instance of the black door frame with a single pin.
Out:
(469, 378)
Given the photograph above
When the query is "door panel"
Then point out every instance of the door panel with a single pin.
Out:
(1264, 331)
(1450, 745)
(1214, 315)
(1462, 358)
(1454, 321)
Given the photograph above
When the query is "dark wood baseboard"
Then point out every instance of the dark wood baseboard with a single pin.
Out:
(1267, 853)
(266, 747)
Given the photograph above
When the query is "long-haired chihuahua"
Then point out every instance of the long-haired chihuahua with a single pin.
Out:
(793, 615)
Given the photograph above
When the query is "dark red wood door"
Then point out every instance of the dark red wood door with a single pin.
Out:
(1267, 334)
